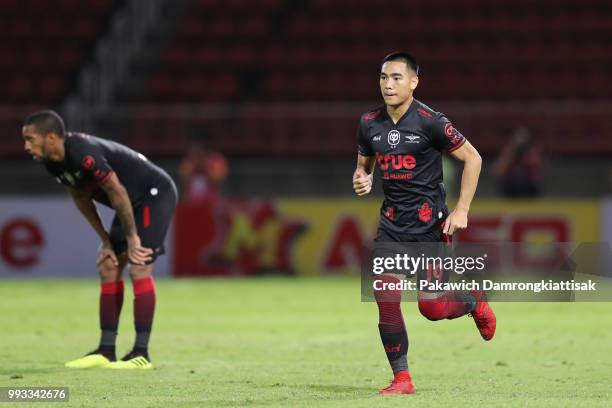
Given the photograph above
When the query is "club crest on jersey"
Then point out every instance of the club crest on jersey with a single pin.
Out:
(394, 137)
(425, 212)
(88, 162)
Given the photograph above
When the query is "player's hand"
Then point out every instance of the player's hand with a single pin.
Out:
(362, 182)
(457, 220)
(106, 251)
(138, 255)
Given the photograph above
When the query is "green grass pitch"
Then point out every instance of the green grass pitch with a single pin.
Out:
(301, 342)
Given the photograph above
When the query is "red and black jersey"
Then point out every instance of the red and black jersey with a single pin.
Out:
(409, 157)
(90, 161)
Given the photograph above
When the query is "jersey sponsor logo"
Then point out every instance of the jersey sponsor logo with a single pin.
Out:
(376, 138)
(394, 137)
(412, 139)
(88, 162)
(425, 212)
(396, 161)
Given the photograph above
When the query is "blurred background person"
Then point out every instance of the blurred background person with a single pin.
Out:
(519, 167)
(202, 173)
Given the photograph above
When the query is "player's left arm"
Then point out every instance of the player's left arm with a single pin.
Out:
(120, 201)
(472, 162)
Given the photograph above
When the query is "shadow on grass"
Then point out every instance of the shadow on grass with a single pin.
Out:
(330, 388)
(20, 371)
(335, 388)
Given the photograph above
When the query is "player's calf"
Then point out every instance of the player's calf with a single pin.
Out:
(447, 305)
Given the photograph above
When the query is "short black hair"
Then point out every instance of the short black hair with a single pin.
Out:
(404, 57)
(46, 121)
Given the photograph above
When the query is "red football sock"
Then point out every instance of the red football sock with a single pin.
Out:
(111, 301)
(391, 325)
(144, 309)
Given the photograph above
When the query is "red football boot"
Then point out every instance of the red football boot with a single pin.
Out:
(401, 384)
(483, 315)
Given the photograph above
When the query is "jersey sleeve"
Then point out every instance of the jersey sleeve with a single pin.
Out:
(91, 161)
(444, 135)
(363, 142)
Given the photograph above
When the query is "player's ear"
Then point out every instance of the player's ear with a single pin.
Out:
(53, 137)
(414, 82)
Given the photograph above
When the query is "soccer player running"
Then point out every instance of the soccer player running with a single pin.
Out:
(407, 138)
(143, 197)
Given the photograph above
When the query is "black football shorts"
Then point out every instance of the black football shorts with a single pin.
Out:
(152, 216)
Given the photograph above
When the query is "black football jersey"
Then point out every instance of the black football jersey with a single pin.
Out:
(90, 161)
(409, 159)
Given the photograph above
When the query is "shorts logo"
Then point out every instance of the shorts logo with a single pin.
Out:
(394, 137)
(425, 212)
(88, 162)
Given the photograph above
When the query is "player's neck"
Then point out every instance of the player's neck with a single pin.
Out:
(396, 112)
(59, 153)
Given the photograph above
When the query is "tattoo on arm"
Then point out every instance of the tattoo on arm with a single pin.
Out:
(120, 201)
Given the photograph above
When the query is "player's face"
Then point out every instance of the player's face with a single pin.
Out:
(35, 143)
(397, 82)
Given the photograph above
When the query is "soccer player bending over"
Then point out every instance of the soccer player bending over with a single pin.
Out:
(143, 197)
(406, 139)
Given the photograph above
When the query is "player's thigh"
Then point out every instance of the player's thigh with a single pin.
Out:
(153, 219)
(117, 237)
(138, 272)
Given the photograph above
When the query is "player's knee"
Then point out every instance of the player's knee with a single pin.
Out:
(433, 309)
(138, 272)
(108, 271)
(389, 291)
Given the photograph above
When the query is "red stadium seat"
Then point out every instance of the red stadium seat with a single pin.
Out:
(51, 38)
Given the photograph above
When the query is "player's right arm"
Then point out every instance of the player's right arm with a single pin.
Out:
(120, 201)
(362, 178)
(89, 210)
